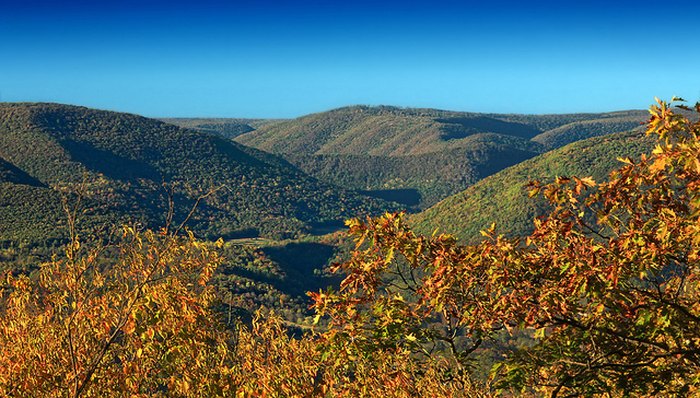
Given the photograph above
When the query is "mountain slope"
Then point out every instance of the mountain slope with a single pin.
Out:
(379, 131)
(125, 159)
(225, 127)
(30, 215)
(10, 173)
(606, 124)
(425, 178)
(502, 197)
(426, 154)
(388, 150)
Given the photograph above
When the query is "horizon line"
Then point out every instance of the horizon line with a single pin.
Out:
(157, 117)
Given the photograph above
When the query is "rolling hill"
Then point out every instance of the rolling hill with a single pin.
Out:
(121, 161)
(582, 129)
(226, 127)
(420, 156)
(380, 131)
(502, 197)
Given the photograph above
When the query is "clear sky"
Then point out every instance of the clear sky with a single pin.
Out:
(288, 58)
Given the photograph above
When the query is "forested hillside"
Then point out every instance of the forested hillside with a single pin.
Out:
(121, 162)
(503, 197)
(602, 125)
(383, 130)
(421, 156)
(225, 127)
(10, 173)
(600, 299)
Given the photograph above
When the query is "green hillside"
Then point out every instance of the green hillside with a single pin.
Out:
(417, 180)
(380, 131)
(126, 158)
(502, 197)
(546, 122)
(420, 156)
(417, 156)
(607, 124)
(30, 214)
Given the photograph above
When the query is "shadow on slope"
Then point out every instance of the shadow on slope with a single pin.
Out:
(107, 163)
(461, 127)
(300, 262)
(408, 197)
(11, 173)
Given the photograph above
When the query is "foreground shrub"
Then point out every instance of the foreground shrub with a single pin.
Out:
(131, 318)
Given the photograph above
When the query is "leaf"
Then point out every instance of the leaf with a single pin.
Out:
(540, 333)
(588, 181)
(677, 99)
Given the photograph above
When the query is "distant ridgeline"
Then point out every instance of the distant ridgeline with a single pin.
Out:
(420, 156)
(225, 127)
(320, 169)
(49, 151)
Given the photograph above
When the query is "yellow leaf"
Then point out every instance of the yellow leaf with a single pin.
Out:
(588, 181)
(625, 160)
(658, 165)
(540, 333)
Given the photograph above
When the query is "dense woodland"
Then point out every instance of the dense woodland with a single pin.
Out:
(131, 167)
(422, 155)
(503, 197)
(227, 128)
(139, 258)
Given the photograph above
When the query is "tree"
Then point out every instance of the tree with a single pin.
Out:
(617, 301)
(607, 284)
(135, 318)
(128, 318)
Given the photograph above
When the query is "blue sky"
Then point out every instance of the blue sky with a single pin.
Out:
(285, 59)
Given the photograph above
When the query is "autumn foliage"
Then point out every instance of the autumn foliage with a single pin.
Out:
(606, 292)
(132, 317)
(607, 284)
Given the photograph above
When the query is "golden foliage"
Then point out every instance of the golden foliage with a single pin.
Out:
(608, 283)
(134, 319)
(126, 319)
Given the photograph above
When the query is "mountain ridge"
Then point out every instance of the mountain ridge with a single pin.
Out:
(126, 159)
(446, 151)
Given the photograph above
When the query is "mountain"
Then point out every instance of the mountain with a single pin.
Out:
(379, 131)
(607, 123)
(420, 156)
(502, 197)
(120, 163)
(226, 127)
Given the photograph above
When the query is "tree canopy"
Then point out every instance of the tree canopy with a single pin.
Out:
(607, 284)
(604, 294)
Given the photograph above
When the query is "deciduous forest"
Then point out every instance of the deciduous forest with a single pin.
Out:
(176, 261)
